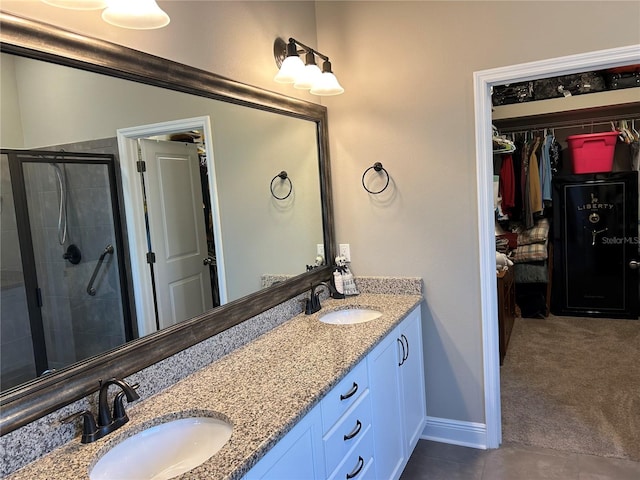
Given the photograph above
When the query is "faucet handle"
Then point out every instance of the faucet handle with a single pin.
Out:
(89, 427)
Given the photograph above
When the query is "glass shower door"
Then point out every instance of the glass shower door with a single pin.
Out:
(71, 246)
(17, 361)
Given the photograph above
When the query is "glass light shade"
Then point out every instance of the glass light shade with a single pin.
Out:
(326, 85)
(290, 70)
(135, 14)
(78, 4)
(309, 77)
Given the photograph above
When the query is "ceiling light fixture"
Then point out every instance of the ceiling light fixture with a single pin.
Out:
(305, 75)
(133, 14)
(78, 4)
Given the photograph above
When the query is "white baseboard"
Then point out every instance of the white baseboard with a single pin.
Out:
(466, 434)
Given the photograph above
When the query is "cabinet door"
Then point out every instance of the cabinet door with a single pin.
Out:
(383, 363)
(412, 380)
(298, 456)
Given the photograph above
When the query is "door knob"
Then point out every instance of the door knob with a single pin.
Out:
(209, 261)
(634, 264)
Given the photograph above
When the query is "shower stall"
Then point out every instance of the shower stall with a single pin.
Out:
(64, 290)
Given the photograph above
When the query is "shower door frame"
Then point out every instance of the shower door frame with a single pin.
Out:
(17, 158)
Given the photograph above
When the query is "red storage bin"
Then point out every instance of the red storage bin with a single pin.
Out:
(592, 152)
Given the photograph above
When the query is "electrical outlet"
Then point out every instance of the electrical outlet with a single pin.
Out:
(345, 251)
(320, 249)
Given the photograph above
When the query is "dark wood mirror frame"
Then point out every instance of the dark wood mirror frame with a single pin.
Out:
(41, 41)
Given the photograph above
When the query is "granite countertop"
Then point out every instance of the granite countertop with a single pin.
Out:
(263, 389)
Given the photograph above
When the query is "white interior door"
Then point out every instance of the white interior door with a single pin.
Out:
(177, 230)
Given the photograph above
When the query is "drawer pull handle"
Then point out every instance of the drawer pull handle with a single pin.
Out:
(350, 393)
(403, 352)
(354, 432)
(406, 340)
(356, 470)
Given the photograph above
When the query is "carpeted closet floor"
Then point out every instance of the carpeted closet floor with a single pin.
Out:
(573, 383)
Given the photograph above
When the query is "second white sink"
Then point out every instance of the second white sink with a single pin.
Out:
(350, 316)
(164, 451)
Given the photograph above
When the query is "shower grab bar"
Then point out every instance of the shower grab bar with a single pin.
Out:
(108, 249)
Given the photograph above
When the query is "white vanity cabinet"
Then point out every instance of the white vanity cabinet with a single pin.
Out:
(366, 427)
(396, 376)
(297, 456)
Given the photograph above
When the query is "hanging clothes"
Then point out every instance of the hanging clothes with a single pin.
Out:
(517, 169)
(507, 187)
(530, 180)
(525, 186)
(535, 191)
(545, 170)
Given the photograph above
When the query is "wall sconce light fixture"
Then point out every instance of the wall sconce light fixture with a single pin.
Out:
(133, 14)
(307, 75)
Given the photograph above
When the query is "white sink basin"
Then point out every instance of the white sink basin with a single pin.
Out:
(350, 316)
(164, 451)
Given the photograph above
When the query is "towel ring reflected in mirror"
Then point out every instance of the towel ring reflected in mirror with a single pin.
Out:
(283, 176)
(378, 168)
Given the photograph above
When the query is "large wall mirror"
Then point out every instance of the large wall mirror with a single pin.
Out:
(143, 210)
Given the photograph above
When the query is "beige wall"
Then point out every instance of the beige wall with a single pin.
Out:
(407, 70)
(11, 126)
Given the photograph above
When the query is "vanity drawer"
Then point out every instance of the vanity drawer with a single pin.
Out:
(358, 464)
(349, 431)
(343, 395)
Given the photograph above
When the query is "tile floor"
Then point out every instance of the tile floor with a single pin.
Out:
(440, 461)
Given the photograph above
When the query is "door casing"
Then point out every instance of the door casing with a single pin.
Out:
(134, 210)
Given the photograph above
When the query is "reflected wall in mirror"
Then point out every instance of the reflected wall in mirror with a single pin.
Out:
(246, 136)
(247, 233)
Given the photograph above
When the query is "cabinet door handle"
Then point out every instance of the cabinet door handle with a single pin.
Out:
(406, 340)
(357, 469)
(350, 393)
(403, 351)
(354, 432)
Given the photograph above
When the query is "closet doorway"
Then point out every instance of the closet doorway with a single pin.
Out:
(483, 81)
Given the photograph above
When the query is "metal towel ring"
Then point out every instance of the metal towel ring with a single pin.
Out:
(378, 168)
(283, 176)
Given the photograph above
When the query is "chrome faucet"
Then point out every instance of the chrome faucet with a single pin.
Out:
(107, 421)
(312, 305)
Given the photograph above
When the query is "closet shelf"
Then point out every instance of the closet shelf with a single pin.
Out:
(577, 107)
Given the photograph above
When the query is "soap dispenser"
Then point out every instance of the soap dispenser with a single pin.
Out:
(337, 281)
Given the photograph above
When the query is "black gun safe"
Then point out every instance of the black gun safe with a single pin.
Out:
(596, 245)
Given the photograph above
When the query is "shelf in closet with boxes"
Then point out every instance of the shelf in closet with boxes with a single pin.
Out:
(576, 108)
